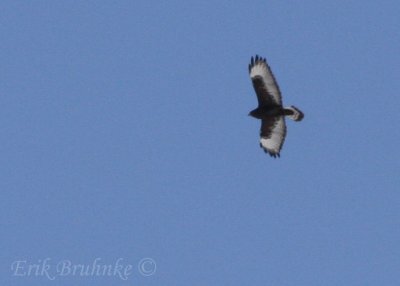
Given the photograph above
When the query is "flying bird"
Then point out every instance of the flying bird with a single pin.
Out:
(270, 110)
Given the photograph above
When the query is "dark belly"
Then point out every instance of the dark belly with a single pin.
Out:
(266, 112)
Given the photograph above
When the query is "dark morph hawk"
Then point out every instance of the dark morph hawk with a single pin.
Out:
(270, 109)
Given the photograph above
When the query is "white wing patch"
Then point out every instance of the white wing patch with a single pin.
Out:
(274, 142)
(261, 68)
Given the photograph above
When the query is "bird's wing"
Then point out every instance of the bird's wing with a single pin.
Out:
(264, 82)
(272, 135)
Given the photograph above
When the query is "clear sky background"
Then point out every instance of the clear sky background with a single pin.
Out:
(124, 134)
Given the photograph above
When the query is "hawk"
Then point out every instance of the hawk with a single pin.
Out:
(270, 110)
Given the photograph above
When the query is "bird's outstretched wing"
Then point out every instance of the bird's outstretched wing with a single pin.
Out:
(272, 135)
(264, 83)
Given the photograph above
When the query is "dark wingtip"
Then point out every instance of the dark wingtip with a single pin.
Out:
(274, 155)
(257, 59)
(251, 64)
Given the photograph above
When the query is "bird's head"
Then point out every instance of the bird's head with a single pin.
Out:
(253, 113)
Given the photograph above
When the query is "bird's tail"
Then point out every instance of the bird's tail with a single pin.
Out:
(294, 113)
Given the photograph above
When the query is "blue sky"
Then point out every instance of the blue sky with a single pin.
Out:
(125, 135)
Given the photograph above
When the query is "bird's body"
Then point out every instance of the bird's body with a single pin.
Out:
(264, 112)
(270, 110)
